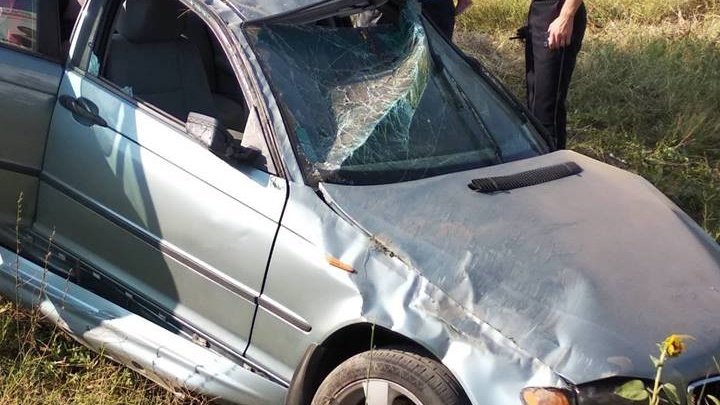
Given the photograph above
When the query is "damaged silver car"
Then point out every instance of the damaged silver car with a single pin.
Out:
(276, 202)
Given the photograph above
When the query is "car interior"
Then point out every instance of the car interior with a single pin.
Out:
(163, 54)
(69, 13)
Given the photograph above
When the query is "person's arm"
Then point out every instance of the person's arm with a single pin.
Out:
(462, 5)
(560, 30)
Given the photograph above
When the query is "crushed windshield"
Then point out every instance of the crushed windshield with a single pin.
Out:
(387, 102)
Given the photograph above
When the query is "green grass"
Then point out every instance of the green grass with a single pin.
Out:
(41, 365)
(505, 15)
(646, 91)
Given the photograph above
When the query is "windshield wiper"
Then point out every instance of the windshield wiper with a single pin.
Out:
(449, 80)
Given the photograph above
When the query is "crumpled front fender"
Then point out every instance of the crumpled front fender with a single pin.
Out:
(491, 367)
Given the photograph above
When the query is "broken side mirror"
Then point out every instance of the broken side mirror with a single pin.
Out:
(211, 133)
(208, 131)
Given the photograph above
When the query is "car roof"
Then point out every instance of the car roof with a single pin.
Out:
(262, 10)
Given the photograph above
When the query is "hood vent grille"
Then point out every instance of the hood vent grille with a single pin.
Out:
(525, 179)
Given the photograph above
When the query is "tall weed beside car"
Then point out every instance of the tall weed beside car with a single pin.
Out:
(645, 94)
(41, 365)
(663, 393)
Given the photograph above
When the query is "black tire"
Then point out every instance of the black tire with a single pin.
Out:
(428, 380)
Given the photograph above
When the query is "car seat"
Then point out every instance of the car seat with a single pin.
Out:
(149, 59)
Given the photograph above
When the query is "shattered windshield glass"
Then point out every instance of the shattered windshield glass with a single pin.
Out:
(387, 102)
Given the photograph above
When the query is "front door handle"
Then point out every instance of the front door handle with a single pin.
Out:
(83, 111)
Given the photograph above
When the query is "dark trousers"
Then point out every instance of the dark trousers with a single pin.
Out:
(442, 13)
(548, 72)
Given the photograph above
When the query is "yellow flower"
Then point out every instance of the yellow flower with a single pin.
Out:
(673, 346)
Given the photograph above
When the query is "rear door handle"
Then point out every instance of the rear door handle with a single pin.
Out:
(83, 110)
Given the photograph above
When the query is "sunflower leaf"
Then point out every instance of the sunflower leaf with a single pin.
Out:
(632, 390)
(672, 393)
(713, 399)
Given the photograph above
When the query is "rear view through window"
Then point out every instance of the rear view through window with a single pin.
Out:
(18, 23)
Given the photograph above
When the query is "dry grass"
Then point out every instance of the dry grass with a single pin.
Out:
(504, 15)
(41, 365)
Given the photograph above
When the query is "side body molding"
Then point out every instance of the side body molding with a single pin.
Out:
(166, 358)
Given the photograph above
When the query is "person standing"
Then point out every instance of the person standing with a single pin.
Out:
(556, 29)
(443, 13)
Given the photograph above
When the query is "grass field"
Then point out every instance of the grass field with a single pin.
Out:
(646, 96)
(39, 365)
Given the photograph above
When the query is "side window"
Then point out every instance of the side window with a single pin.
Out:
(162, 54)
(19, 23)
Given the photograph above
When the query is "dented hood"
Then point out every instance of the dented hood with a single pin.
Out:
(585, 273)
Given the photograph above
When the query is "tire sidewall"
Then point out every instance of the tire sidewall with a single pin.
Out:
(408, 373)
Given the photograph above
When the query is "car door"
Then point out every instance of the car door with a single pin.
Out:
(30, 73)
(133, 196)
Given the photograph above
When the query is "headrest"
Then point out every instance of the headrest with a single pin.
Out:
(143, 21)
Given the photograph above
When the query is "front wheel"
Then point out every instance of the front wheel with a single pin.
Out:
(390, 377)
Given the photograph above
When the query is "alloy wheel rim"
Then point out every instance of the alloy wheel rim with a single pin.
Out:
(376, 391)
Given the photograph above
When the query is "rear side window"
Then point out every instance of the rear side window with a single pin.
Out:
(18, 24)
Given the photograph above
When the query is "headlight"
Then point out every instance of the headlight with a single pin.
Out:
(595, 393)
(547, 396)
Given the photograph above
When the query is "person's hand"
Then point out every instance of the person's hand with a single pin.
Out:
(462, 5)
(560, 32)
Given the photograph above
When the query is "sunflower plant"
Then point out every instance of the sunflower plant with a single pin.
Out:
(635, 390)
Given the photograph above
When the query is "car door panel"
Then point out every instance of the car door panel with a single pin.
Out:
(28, 88)
(18, 194)
(145, 129)
(87, 231)
(160, 212)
